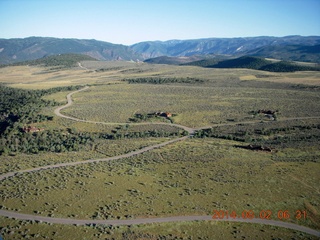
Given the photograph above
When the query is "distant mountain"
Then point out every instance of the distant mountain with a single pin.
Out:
(17, 50)
(231, 46)
(295, 48)
(60, 60)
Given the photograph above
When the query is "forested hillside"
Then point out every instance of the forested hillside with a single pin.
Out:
(61, 60)
(289, 53)
(254, 63)
(304, 47)
(22, 49)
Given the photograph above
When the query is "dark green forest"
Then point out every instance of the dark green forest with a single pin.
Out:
(20, 109)
(60, 61)
(254, 63)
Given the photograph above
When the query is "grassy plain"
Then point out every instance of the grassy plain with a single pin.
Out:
(34, 77)
(212, 174)
(162, 184)
(195, 176)
(195, 106)
(101, 149)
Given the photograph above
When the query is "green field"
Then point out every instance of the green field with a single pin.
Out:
(163, 183)
(191, 177)
(195, 106)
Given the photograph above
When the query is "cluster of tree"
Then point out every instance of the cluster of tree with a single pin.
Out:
(272, 131)
(18, 109)
(62, 60)
(254, 63)
(140, 117)
(306, 87)
(108, 69)
(203, 63)
(146, 134)
(211, 133)
(286, 140)
(289, 136)
(19, 106)
(164, 80)
(59, 89)
(47, 141)
(284, 66)
(242, 62)
(66, 140)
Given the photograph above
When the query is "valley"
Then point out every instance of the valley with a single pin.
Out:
(167, 169)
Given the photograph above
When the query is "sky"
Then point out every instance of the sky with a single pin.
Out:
(131, 21)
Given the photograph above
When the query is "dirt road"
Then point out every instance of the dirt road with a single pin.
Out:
(80, 65)
(22, 216)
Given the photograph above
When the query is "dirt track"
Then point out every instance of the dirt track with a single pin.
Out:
(155, 220)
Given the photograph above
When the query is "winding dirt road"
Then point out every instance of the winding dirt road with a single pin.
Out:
(22, 216)
(191, 131)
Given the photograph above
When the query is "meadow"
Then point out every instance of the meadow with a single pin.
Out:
(211, 175)
(190, 177)
(194, 106)
(162, 183)
(34, 77)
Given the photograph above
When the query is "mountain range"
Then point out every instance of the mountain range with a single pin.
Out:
(293, 48)
(23, 49)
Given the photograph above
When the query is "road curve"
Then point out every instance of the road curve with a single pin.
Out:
(22, 216)
(70, 102)
(80, 65)
(288, 225)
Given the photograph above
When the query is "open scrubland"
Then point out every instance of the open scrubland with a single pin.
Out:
(194, 106)
(211, 170)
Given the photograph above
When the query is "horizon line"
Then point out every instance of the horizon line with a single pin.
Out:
(174, 39)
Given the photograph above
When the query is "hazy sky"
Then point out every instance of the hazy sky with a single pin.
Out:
(128, 22)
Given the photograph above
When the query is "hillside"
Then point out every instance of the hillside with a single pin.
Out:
(202, 63)
(284, 66)
(289, 53)
(173, 60)
(61, 60)
(261, 64)
(229, 46)
(242, 62)
(17, 50)
(290, 48)
(255, 63)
